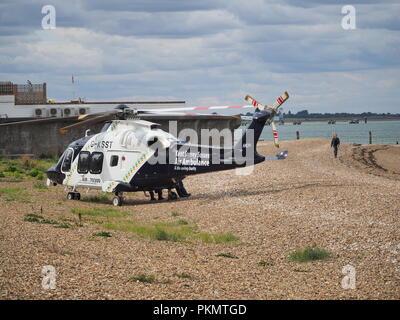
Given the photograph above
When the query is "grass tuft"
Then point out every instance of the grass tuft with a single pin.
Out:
(217, 238)
(102, 234)
(183, 275)
(226, 255)
(265, 263)
(143, 278)
(27, 162)
(12, 193)
(300, 270)
(102, 212)
(162, 235)
(309, 254)
(98, 198)
(48, 221)
(33, 215)
(24, 168)
(31, 219)
(180, 230)
(40, 186)
(162, 231)
(34, 172)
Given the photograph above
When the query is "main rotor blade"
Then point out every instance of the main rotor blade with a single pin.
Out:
(105, 117)
(53, 119)
(42, 120)
(185, 114)
(198, 108)
(91, 115)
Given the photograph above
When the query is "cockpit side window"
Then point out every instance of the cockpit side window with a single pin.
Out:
(96, 162)
(66, 166)
(114, 161)
(83, 162)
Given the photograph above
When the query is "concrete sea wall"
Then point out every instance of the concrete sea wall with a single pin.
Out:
(44, 138)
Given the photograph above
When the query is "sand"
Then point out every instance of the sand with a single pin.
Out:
(348, 206)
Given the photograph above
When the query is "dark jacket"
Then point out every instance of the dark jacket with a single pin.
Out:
(335, 142)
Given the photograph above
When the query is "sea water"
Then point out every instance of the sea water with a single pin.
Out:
(385, 132)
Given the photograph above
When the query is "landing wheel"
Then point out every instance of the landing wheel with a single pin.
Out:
(172, 195)
(117, 201)
(74, 196)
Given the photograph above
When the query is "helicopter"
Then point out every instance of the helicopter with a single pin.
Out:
(131, 155)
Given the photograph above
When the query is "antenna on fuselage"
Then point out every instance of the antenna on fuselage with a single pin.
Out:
(124, 112)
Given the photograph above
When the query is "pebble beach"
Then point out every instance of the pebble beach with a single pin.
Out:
(348, 206)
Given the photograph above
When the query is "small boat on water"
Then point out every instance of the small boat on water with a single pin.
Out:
(296, 122)
(331, 121)
(354, 121)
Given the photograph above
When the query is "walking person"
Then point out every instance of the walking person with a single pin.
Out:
(335, 144)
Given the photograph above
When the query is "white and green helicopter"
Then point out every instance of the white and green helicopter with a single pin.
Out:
(130, 154)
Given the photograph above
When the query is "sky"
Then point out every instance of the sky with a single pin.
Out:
(209, 52)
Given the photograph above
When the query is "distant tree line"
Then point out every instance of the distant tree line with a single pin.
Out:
(304, 114)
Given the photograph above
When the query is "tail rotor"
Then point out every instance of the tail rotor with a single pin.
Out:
(275, 134)
(274, 110)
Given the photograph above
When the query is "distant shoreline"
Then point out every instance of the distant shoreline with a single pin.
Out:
(263, 141)
(291, 120)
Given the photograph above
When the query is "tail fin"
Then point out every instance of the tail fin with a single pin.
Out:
(255, 128)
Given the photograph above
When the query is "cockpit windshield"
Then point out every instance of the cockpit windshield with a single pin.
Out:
(66, 166)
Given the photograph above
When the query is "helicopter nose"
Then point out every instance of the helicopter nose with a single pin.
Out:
(55, 175)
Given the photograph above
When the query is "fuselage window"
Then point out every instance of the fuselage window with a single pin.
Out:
(114, 161)
(66, 166)
(96, 162)
(83, 162)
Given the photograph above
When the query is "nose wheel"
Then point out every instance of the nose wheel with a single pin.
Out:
(117, 201)
(74, 196)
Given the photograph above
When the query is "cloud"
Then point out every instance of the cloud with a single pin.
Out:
(152, 5)
(160, 24)
(208, 51)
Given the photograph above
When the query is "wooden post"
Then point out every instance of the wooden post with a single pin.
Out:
(370, 137)
(298, 135)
